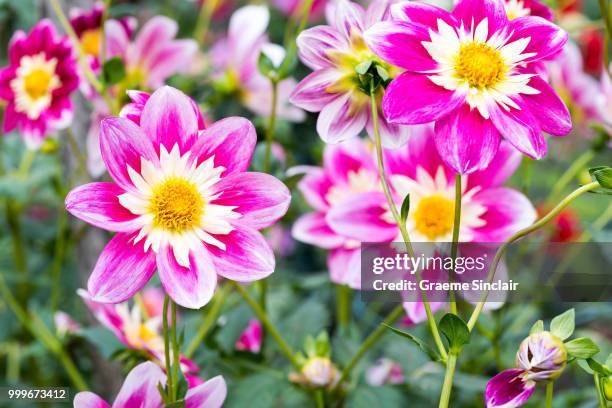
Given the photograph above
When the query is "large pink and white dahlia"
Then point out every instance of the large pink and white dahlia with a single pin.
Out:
(470, 72)
(181, 202)
(37, 83)
(333, 52)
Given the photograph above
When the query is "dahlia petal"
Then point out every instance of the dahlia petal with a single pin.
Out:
(88, 399)
(140, 387)
(548, 108)
(392, 136)
(415, 310)
(312, 229)
(168, 119)
(157, 32)
(117, 40)
(314, 43)
(351, 156)
(261, 198)
(123, 268)
(337, 122)
(123, 144)
(247, 26)
(345, 267)
(399, 43)
(348, 16)
(507, 212)
(545, 38)
(314, 187)
(169, 60)
(231, 141)
(211, 394)
(98, 205)
(503, 165)
(507, 390)
(191, 287)
(521, 129)
(472, 12)
(247, 256)
(422, 13)
(466, 141)
(311, 92)
(106, 314)
(432, 103)
(360, 217)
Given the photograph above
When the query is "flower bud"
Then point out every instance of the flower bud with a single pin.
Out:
(317, 372)
(606, 386)
(543, 356)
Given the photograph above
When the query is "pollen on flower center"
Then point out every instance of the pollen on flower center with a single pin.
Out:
(37, 83)
(177, 205)
(480, 65)
(90, 41)
(434, 216)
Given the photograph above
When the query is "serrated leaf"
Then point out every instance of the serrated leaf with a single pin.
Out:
(582, 348)
(455, 330)
(405, 209)
(113, 71)
(537, 327)
(598, 367)
(431, 353)
(563, 325)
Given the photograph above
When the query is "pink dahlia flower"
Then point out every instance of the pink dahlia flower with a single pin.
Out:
(522, 8)
(234, 62)
(348, 182)
(250, 339)
(38, 82)
(542, 357)
(140, 390)
(333, 52)
(181, 202)
(470, 71)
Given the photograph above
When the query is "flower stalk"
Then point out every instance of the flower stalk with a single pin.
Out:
(455, 244)
(209, 321)
(549, 394)
(343, 305)
(170, 382)
(447, 386)
(271, 126)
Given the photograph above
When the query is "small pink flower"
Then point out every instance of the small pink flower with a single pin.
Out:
(471, 72)
(251, 337)
(333, 52)
(234, 61)
(38, 83)
(65, 324)
(181, 202)
(385, 371)
(140, 390)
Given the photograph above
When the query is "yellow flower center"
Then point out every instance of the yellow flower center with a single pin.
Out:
(37, 83)
(434, 216)
(90, 41)
(177, 205)
(480, 65)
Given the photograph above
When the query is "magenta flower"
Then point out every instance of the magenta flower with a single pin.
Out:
(348, 181)
(333, 89)
(522, 8)
(234, 62)
(38, 82)
(181, 202)
(140, 390)
(541, 357)
(469, 71)
(250, 339)
(385, 371)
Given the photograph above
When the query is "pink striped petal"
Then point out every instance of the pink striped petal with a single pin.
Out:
(311, 93)
(312, 229)
(156, 33)
(98, 205)
(433, 101)
(342, 159)
(261, 198)
(508, 390)
(337, 121)
(472, 12)
(106, 314)
(466, 141)
(231, 141)
(123, 144)
(88, 399)
(168, 118)
(360, 217)
(521, 129)
(345, 267)
(422, 13)
(211, 394)
(348, 16)
(191, 287)
(548, 108)
(174, 58)
(314, 43)
(314, 187)
(123, 268)
(503, 165)
(140, 387)
(392, 136)
(117, 40)
(247, 256)
(546, 38)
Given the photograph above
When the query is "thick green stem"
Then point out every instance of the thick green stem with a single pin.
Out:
(211, 317)
(447, 386)
(455, 244)
(319, 398)
(526, 231)
(169, 382)
(271, 126)
(265, 321)
(569, 174)
(343, 305)
(549, 394)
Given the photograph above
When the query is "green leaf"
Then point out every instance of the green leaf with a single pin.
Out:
(537, 327)
(113, 71)
(431, 353)
(382, 73)
(603, 176)
(455, 330)
(582, 348)
(609, 362)
(598, 367)
(363, 67)
(563, 325)
(266, 66)
(405, 209)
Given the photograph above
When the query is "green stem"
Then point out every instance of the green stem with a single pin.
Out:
(170, 384)
(209, 321)
(396, 216)
(175, 352)
(600, 398)
(319, 399)
(292, 46)
(265, 321)
(58, 259)
(455, 244)
(271, 126)
(343, 305)
(447, 386)
(549, 394)
(526, 231)
(371, 341)
(570, 174)
(203, 24)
